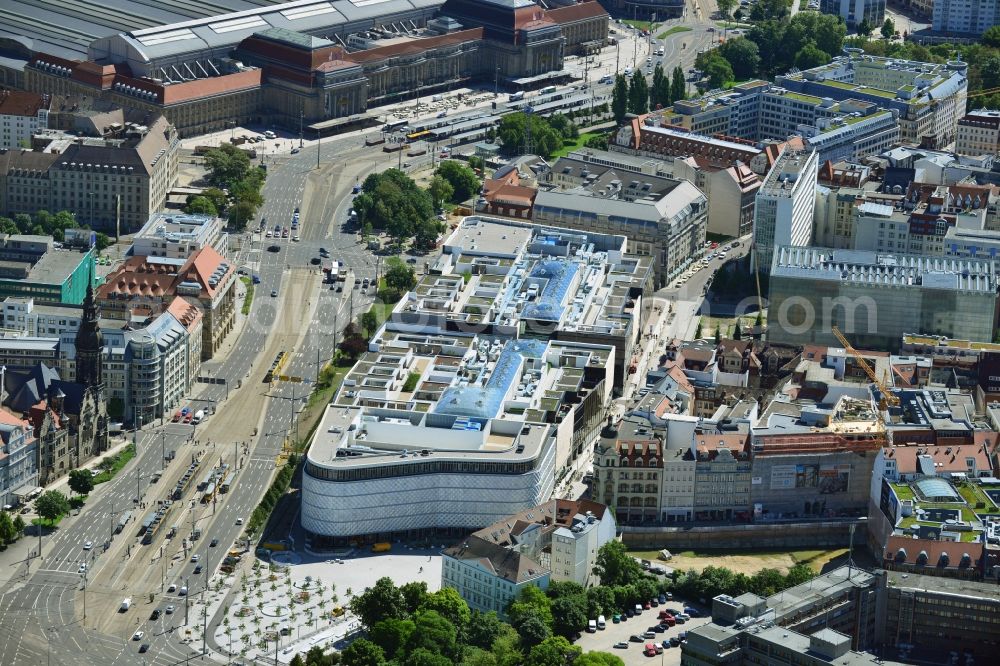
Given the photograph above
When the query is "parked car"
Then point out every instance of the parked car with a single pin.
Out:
(621, 645)
(144, 648)
(169, 610)
(137, 636)
(635, 638)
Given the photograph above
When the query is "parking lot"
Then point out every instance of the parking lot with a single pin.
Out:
(633, 654)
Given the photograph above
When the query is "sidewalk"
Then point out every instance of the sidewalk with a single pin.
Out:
(12, 560)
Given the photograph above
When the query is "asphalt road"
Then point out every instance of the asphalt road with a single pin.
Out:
(42, 620)
(58, 615)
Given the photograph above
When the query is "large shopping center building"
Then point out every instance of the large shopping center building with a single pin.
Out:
(304, 61)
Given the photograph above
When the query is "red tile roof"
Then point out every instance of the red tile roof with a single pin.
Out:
(903, 550)
(19, 103)
(581, 10)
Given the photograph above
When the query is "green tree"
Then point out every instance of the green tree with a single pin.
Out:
(659, 92)
(382, 601)
(743, 56)
(369, 323)
(598, 142)
(217, 197)
(512, 134)
(392, 202)
(433, 632)
(619, 99)
(698, 331)
(532, 629)
(638, 94)
(450, 605)
(615, 566)
(363, 652)
(297, 660)
(564, 126)
(440, 190)
(19, 526)
(553, 651)
(200, 205)
(769, 9)
(474, 656)
(103, 242)
(531, 601)
(678, 87)
(51, 505)
(569, 615)
(483, 629)
(810, 56)
(507, 649)
(398, 275)
(391, 635)
(726, 7)
(414, 594)
(563, 588)
(7, 532)
(598, 659)
(425, 657)
(462, 179)
(426, 233)
(600, 601)
(8, 226)
(719, 72)
(888, 28)
(991, 37)
(81, 481)
(865, 27)
(226, 165)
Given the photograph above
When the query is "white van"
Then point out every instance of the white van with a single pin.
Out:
(601, 624)
(592, 626)
(269, 134)
(126, 604)
(199, 416)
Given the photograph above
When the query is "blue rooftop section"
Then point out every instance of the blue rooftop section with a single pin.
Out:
(549, 304)
(484, 403)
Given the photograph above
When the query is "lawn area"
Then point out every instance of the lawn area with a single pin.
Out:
(115, 464)
(47, 523)
(575, 144)
(746, 562)
(248, 299)
(642, 25)
(975, 496)
(903, 491)
(672, 31)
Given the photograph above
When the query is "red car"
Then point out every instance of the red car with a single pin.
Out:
(177, 417)
(668, 620)
(646, 606)
(188, 417)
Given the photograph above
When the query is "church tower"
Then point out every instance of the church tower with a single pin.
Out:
(89, 343)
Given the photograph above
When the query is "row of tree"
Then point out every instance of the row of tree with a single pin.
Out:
(44, 223)
(11, 529)
(525, 132)
(391, 202)
(410, 626)
(236, 186)
(636, 96)
(983, 59)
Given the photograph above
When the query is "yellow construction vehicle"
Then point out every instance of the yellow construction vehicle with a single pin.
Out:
(887, 398)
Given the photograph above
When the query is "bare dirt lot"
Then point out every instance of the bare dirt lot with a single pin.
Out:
(749, 563)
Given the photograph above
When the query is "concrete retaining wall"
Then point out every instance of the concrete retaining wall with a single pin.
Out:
(825, 534)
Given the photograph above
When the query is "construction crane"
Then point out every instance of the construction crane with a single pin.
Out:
(887, 398)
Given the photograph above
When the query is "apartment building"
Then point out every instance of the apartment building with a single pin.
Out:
(855, 11)
(930, 98)
(729, 186)
(667, 225)
(979, 132)
(877, 298)
(146, 284)
(555, 541)
(112, 183)
(757, 114)
(965, 17)
(784, 206)
(19, 463)
(179, 235)
(21, 115)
